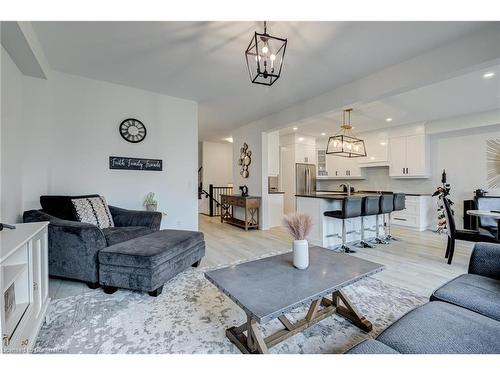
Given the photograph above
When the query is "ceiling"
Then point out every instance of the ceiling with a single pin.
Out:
(469, 93)
(204, 61)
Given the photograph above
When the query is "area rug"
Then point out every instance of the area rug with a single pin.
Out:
(191, 316)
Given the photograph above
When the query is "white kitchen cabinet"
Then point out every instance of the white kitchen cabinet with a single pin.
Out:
(352, 168)
(376, 144)
(409, 156)
(397, 149)
(273, 157)
(418, 214)
(343, 168)
(305, 153)
(416, 155)
(24, 284)
(276, 209)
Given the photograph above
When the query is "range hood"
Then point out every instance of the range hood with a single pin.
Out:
(374, 163)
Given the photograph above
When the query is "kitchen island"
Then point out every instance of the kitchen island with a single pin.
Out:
(327, 231)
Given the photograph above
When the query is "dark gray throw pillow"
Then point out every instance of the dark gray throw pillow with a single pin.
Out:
(60, 206)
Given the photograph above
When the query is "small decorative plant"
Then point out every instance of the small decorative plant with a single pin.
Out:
(150, 202)
(299, 225)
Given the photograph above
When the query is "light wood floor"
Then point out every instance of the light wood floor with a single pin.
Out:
(416, 262)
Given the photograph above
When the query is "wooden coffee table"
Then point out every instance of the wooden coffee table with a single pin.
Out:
(269, 288)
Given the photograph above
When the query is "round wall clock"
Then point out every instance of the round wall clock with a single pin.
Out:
(132, 130)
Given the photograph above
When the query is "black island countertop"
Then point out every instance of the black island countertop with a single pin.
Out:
(334, 195)
(339, 195)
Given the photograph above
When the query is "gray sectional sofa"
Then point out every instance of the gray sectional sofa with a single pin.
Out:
(134, 254)
(463, 316)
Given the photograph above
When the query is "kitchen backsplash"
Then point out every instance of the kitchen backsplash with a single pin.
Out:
(377, 178)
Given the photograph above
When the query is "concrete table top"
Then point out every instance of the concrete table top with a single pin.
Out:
(270, 287)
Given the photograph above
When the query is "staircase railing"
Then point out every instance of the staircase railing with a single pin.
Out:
(214, 200)
(213, 194)
(200, 182)
(214, 206)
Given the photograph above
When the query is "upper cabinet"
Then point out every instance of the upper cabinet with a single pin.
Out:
(305, 152)
(409, 156)
(376, 144)
(343, 168)
(404, 150)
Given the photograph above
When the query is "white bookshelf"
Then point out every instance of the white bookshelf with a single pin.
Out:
(24, 285)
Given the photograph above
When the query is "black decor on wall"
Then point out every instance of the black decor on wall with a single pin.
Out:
(132, 130)
(135, 164)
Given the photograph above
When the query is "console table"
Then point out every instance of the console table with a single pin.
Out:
(249, 204)
(24, 271)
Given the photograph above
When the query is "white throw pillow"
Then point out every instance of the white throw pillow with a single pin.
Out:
(94, 211)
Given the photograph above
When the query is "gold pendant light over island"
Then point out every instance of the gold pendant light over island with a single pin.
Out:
(345, 143)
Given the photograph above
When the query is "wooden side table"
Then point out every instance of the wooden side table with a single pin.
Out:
(250, 204)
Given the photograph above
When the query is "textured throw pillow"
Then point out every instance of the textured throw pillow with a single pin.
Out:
(93, 210)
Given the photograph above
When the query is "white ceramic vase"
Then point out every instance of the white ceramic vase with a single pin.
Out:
(300, 254)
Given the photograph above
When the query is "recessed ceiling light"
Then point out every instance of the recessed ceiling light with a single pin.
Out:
(301, 139)
(323, 133)
(388, 119)
(488, 75)
(295, 128)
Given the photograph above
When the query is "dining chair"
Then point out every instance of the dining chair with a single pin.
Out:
(454, 233)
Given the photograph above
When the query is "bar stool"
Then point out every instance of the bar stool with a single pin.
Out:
(369, 207)
(399, 204)
(351, 207)
(386, 205)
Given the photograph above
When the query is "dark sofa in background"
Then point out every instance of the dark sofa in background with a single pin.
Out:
(463, 316)
(74, 246)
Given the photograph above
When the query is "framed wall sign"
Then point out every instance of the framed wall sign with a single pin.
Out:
(135, 164)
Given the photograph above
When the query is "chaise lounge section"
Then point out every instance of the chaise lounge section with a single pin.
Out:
(463, 316)
(147, 262)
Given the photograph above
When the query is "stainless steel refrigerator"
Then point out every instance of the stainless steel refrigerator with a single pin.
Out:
(305, 178)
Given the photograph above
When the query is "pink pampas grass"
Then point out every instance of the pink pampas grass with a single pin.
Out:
(298, 225)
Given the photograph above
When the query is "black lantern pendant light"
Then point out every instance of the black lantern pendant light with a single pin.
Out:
(345, 143)
(264, 56)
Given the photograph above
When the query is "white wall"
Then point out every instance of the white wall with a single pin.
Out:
(60, 138)
(253, 138)
(217, 167)
(25, 134)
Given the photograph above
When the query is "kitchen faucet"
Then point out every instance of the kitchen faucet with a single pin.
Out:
(347, 186)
